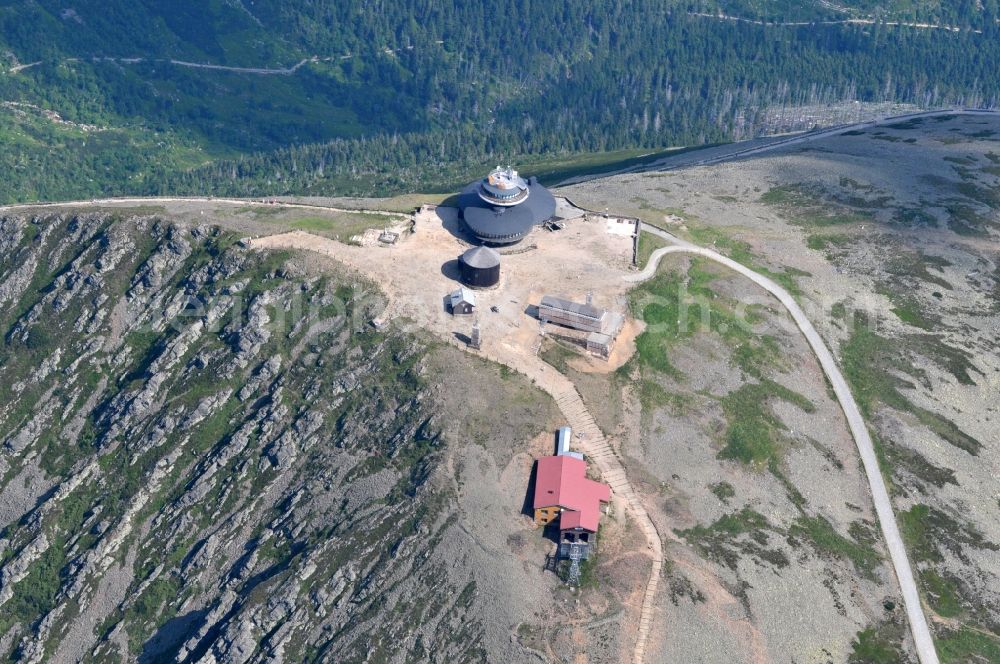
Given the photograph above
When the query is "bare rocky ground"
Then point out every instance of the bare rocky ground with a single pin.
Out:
(210, 455)
(890, 236)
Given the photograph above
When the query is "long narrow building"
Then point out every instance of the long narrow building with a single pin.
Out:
(567, 313)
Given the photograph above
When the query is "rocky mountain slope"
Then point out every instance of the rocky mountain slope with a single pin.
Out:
(209, 455)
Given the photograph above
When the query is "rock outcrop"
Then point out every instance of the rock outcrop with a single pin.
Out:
(222, 471)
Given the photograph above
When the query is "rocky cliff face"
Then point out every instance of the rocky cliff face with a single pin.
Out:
(207, 456)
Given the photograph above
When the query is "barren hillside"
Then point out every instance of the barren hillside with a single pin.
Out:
(210, 453)
(888, 237)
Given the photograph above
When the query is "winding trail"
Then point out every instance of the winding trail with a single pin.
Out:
(880, 495)
(597, 448)
(725, 153)
(257, 71)
(562, 390)
(590, 439)
(844, 21)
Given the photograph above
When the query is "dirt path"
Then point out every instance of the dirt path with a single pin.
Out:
(257, 71)
(242, 202)
(17, 68)
(845, 21)
(597, 448)
(263, 71)
(880, 495)
(513, 352)
(742, 149)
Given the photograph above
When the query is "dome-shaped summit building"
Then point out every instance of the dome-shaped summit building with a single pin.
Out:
(503, 207)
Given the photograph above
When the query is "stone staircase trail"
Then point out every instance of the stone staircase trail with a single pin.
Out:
(590, 440)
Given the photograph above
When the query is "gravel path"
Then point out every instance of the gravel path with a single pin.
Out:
(883, 506)
(764, 144)
(242, 202)
(592, 442)
(596, 445)
(260, 71)
(520, 358)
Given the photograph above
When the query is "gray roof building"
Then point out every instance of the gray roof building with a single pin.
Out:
(503, 207)
(595, 329)
(462, 301)
(480, 267)
(481, 258)
(583, 310)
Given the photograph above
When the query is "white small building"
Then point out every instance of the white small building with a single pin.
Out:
(462, 302)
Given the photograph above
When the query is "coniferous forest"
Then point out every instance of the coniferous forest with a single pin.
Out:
(377, 97)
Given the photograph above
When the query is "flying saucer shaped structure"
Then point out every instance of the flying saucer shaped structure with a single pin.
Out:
(503, 207)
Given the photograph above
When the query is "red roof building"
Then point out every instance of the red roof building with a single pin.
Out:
(563, 491)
